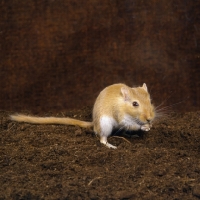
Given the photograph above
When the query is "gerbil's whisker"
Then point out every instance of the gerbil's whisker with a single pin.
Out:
(119, 130)
(138, 121)
(163, 102)
(164, 112)
(167, 107)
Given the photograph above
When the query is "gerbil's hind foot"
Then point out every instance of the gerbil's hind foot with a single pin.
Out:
(110, 146)
(104, 141)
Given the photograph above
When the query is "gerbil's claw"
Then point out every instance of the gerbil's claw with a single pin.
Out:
(145, 127)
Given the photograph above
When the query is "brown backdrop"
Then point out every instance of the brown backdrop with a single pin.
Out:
(58, 54)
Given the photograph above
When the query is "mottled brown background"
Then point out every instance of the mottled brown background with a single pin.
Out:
(58, 54)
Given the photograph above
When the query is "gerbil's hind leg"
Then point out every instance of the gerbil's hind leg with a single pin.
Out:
(104, 129)
(103, 140)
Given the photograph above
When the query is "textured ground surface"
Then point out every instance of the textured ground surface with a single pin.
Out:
(66, 162)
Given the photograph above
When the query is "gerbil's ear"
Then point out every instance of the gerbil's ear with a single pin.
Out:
(125, 93)
(145, 86)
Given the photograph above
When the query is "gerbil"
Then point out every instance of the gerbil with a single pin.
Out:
(117, 106)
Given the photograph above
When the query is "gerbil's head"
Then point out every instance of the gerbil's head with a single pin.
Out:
(137, 104)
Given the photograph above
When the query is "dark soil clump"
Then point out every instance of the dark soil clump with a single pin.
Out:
(68, 162)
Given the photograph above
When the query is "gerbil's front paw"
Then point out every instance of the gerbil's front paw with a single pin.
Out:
(146, 127)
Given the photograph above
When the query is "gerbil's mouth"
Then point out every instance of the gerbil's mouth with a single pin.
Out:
(141, 123)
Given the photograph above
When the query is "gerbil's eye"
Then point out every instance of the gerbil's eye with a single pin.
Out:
(135, 104)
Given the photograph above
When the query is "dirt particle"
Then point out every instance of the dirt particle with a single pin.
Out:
(124, 195)
(196, 190)
(78, 132)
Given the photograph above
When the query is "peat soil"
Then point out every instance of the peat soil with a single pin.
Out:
(68, 162)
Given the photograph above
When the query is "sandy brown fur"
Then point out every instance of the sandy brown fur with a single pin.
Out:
(113, 108)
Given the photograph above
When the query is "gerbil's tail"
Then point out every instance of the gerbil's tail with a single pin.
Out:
(50, 120)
